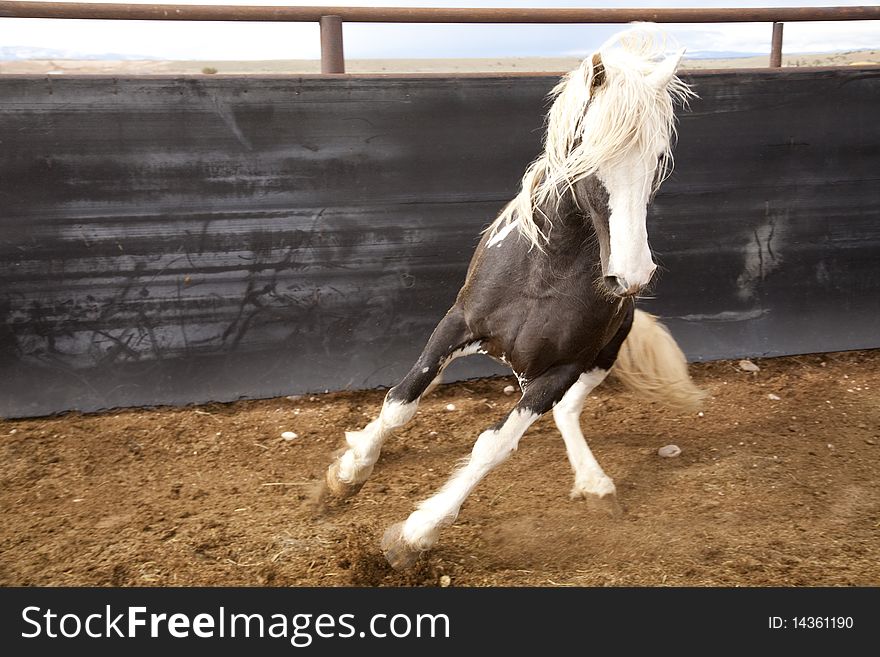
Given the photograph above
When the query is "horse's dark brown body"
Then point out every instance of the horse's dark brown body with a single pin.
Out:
(543, 312)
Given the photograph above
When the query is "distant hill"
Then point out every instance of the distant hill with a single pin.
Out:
(38, 61)
(719, 54)
(25, 53)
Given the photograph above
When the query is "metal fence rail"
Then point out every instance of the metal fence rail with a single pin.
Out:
(332, 18)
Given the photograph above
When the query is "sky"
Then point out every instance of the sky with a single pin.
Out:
(255, 41)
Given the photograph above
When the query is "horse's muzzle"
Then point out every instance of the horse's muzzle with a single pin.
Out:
(619, 287)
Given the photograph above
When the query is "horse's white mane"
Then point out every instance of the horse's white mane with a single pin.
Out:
(625, 112)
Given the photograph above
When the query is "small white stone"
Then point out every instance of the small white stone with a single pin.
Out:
(445, 580)
(774, 397)
(289, 435)
(669, 451)
(450, 407)
(700, 414)
(509, 390)
(748, 366)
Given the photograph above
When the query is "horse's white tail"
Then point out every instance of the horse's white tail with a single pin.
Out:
(652, 364)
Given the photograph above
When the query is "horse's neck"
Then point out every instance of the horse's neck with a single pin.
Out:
(572, 240)
(565, 219)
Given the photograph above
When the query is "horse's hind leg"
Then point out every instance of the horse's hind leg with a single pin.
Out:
(403, 542)
(349, 472)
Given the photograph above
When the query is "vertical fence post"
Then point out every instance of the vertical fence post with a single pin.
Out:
(332, 55)
(776, 46)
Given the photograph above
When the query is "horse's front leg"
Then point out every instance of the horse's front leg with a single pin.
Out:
(590, 481)
(403, 542)
(350, 471)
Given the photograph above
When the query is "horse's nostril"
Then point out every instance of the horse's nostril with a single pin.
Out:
(616, 285)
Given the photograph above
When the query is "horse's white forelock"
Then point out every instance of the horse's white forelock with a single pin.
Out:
(627, 112)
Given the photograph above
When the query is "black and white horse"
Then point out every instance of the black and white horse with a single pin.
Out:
(550, 289)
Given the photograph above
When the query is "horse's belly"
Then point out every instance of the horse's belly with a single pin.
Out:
(535, 341)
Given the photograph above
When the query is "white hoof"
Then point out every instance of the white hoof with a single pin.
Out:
(601, 496)
(400, 554)
(338, 488)
(599, 487)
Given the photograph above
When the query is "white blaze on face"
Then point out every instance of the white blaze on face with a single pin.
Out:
(628, 181)
(628, 176)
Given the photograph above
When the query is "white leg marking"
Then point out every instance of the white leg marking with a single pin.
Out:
(364, 447)
(467, 350)
(492, 447)
(589, 478)
(356, 464)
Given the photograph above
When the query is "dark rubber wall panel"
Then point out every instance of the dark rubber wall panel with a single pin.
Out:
(168, 241)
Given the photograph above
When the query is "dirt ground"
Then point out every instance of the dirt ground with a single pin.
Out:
(767, 491)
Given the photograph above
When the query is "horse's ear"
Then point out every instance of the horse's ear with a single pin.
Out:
(598, 78)
(661, 75)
